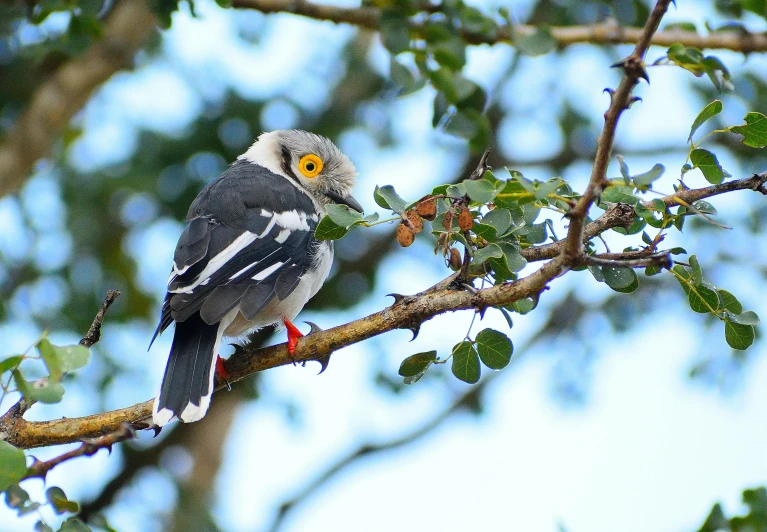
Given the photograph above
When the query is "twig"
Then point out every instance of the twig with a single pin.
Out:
(94, 333)
(661, 260)
(39, 469)
(603, 33)
(633, 68)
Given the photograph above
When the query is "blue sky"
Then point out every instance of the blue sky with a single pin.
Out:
(648, 449)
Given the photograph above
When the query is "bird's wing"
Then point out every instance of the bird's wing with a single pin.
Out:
(250, 238)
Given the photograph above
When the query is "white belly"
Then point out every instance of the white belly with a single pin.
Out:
(289, 307)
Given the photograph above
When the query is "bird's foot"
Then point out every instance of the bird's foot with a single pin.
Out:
(293, 335)
(221, 372)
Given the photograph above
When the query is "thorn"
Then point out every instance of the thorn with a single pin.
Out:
(157, 430)
(397, 298)
(314, 328)
(415, 330)
(482, 166)
(324, 361)
(633, 100)
(481, 312)
(237, 349)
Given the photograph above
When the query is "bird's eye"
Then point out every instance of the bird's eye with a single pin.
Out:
(310, 165)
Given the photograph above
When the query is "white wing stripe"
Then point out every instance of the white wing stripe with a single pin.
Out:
(242, 241)
(263, 274)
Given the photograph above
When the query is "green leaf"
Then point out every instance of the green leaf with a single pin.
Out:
(328, 230)
(523, 306)
(463, 123)
(646, 179)
(42, 527)
(388, 198)
(418, 363)
(18, 499)
(617, 278)
(703, 299)
(507, 316)
(487, 232)
(738, 336)
(490, 251)
(494, 348)
(342, 215)
(13, 465)
(754, 132)
(745, 318)
(48, 354)
(687, 57)
(697, 273)
(479, 190)
(450, 53)
(704, 207)
(394, 34)
(514, 259)
(619, 194)
(400, 74)
(466, 362)
(711, 110)
(42, 390)
(73, 524)
(10, 363)
(709, 165)
(730, 303)
(58, 500)
(498, 218)
(538, 43)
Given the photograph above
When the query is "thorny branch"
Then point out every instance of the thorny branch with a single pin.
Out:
(603, 33)
(620, 100)
(408, 312)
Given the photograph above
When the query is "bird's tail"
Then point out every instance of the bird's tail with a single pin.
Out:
(188, 381)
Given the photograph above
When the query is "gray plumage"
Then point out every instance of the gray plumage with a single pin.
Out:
(246, 258)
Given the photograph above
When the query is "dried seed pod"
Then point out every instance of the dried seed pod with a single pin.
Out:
(465, 220)
(405, 235)
(414, 221)
(455, 259)
(427, 209)
(447, 220)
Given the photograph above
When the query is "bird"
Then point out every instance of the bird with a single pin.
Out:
(248, 258)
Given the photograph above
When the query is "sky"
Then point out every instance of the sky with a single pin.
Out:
(646, 449)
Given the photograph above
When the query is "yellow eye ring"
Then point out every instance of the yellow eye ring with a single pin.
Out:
(310, 165)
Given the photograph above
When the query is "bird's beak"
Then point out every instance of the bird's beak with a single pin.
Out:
(344, 200)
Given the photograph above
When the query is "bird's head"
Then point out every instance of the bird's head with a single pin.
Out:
(311, 160)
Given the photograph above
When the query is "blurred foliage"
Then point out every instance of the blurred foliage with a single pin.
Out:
(99, 213)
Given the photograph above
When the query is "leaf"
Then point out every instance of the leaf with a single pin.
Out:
(13, 465)
(730, 303)
(646, 179)
(73, 524)
(466, 362)
(400, 74)
(342, 215)
(491, 251)
(514, 259)
(487, 232)
(498, 218)
(711, 110)
(619, 194)
(10, 363)
(463, 123)
(745, 318)
(328, 230)
(704, 207)
(418, 363)
(480, 190)
(507, 316)
(42, 527)
(738, 336)
(48, 354)
(697, 273)
(494, 348)
(617, 278)
(59, 501)
(394, 34)
(388, 198)
(538, 43)
(709, 165)
(703, 299)
(754, 132)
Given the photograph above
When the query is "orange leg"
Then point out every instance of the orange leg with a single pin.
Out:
(221, 371)
(293, 335)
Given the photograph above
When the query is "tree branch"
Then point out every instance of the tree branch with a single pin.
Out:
(39, 469)
(408, 312)
(620, 100)
(57, 100)
(604, 33)
(94, 332)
